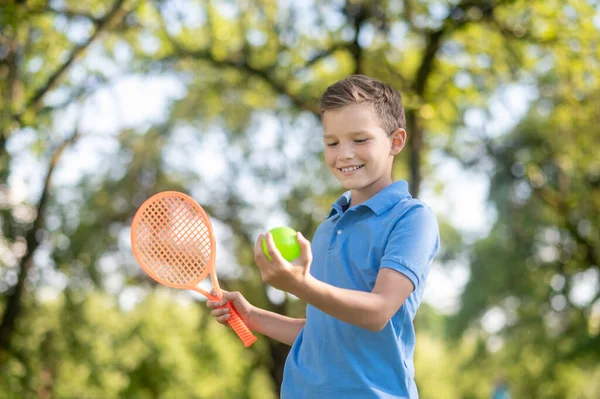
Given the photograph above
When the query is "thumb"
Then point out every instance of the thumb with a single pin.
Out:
(235, 298)
(224, 295)
(302, 240)
(305, 249)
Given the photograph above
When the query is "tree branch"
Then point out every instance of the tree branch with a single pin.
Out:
(396, 74)
(410, 17)
(13, 304)
(65, 12)
(358, 14)
(555, 201)
(322, 55)
(9, 96)
(111, 18)
(181, 51)
(243, 65)
(434, 39)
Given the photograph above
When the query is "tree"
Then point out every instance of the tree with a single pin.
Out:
(537, 271)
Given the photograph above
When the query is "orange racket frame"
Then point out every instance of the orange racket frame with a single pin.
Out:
(172, 239)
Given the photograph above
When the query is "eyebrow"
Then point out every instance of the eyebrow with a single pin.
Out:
(331, 136)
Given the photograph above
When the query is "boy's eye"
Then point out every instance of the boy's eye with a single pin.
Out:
(358, 141)
(331, 144)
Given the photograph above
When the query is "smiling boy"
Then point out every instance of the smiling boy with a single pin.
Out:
(364, 274)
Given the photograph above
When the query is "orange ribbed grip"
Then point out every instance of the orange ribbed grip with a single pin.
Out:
(172, 240)
(240, 328)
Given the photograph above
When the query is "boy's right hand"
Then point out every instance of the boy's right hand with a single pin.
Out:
(221, 312)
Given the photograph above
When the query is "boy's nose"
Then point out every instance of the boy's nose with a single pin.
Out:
(346, 152)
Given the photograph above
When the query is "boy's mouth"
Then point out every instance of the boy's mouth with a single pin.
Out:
(350, 169)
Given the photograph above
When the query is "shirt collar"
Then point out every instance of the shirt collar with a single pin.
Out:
(379, 203)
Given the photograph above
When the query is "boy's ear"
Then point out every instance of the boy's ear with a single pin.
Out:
(398, 141)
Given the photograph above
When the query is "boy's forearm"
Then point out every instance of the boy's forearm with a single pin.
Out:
(363, 309)
(281, 328)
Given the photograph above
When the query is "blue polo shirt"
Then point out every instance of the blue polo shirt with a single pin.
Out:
(334, 359)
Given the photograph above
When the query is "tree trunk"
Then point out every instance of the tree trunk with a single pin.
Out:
(415, 142)
(13, 304)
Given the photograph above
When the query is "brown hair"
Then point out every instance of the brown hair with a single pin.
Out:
(360, 89)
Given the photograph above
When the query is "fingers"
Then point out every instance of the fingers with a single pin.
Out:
(221, 314)
(214, 304)
(258, 251)
(272, 248)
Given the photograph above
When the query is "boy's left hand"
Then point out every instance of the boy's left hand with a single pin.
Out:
(279, 273)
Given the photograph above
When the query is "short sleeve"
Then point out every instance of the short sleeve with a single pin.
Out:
(412, 244)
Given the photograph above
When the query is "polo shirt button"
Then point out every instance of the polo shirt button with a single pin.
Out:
(339, 232)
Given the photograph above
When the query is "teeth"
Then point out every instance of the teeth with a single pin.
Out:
(350, 169)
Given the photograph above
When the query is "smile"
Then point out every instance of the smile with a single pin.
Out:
(351, 168)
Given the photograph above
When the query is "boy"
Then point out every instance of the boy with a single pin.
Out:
(364, 276)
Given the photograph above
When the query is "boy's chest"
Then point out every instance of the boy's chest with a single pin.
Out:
(347, 250)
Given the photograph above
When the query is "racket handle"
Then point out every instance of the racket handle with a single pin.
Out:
(240, 328)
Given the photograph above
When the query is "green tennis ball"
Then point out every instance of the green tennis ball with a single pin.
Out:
(285, 241)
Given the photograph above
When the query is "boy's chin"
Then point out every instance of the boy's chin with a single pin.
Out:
(351, 185)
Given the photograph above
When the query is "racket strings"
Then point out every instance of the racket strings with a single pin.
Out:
(174, 241)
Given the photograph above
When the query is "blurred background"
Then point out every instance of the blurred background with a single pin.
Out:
(104, 103)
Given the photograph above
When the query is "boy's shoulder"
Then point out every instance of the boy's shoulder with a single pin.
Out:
(411, 207)
(411, 204)
(415, 210)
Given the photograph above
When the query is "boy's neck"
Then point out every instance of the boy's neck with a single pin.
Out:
(361, 195)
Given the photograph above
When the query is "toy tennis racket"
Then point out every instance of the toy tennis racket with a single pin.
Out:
(172, 240)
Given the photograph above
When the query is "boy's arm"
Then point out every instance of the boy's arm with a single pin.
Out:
(408, 251)
(370, 310)
(281, 328)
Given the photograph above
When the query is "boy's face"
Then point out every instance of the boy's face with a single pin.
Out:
(358, 151)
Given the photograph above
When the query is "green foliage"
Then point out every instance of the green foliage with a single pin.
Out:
(543, 249)
(168, 346)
